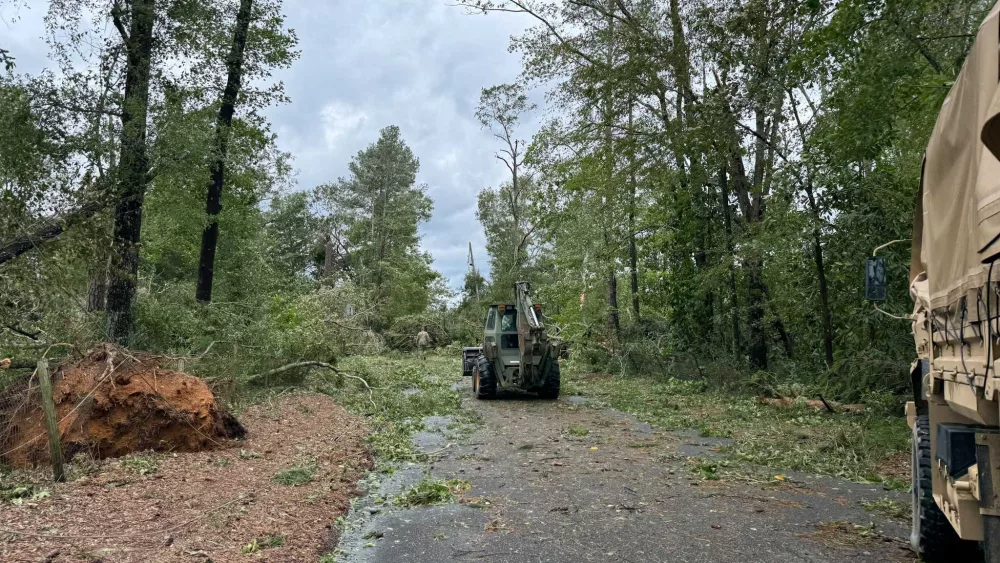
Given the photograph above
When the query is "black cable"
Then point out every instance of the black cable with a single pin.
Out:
(947, 314)
(961, 332)
(979, 301)
(989, 322)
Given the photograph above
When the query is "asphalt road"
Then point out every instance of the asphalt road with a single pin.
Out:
(621, 493)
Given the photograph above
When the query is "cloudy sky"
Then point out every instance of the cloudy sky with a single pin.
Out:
(418, 64)
(366, 64)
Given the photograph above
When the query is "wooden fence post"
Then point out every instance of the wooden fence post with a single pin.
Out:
(51, 423)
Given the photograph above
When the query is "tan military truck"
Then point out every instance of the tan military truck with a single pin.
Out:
(955, 285)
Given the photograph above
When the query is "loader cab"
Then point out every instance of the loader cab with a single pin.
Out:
(501, 333)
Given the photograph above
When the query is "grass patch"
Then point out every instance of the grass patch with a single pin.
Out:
(296, 476)
(430, 492)
(267, 542)
(796, 438)
(888, 507)
(140, 464)
(577, 431)
(394, 417)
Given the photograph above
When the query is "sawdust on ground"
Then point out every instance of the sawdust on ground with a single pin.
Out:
(221, 505)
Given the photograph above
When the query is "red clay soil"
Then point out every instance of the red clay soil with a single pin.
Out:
(110, 404)
(210, 505)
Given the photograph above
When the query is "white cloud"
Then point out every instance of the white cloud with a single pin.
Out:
(418, 64)
(340, 120)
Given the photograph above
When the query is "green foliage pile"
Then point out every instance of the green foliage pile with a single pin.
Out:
(463, 325)
(428, 492)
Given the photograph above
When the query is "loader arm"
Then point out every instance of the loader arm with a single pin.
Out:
(537, 351)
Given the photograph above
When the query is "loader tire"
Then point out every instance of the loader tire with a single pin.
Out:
(484, 380)
(932, 535)
(550, 391)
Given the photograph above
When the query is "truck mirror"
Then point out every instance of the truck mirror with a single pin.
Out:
(876, 286)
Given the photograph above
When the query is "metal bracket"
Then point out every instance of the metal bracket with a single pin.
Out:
(988, 460)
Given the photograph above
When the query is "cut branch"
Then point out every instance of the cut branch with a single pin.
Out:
(16, 329)
(331, 367)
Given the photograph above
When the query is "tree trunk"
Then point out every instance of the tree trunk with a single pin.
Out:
(328, 257)
(824, 290)
(633, 262)
(614, 321)
(133, 174)
(213, 203)
(786, 339)
(734, 306)
(756, 291)
(824, 295)
(97, 293)
(633, 259)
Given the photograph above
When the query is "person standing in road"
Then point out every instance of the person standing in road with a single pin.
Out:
(423, 342)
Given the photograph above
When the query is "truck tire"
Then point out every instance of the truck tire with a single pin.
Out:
(550, 390)
(931, 536)
(484, 380)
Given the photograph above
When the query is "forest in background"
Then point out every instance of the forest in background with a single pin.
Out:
(709, 179)
(146, 203)
(711, 176)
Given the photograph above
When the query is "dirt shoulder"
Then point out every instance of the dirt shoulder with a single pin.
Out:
(275, 495)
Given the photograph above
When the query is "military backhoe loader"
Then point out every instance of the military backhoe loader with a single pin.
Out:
(517, 351)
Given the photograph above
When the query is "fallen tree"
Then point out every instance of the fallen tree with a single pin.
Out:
(49, 229)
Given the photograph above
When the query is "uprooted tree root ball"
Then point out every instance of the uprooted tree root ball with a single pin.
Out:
(112, 403)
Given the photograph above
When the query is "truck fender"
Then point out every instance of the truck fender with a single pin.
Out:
(919, 370)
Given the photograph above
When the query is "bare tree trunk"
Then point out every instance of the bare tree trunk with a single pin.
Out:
(213, 203)
(133, 172)
(614, 319)
(755, 314)
(633, 259)
(328, 257)
(734, 297)
(824, 290)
